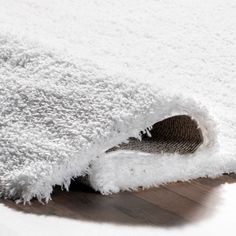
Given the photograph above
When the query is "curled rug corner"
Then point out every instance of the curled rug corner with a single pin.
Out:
(176, 147)
(61, 119)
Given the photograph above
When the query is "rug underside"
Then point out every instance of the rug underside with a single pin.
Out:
(179, 134)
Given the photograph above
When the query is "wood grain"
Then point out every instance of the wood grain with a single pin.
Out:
(170, 205)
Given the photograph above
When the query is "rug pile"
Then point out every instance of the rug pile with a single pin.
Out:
(128, 94)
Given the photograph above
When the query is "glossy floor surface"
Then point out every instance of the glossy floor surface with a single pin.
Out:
(167, 209)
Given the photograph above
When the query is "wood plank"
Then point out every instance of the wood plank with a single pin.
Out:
(123, 208)
(181, 205)
(169, 205)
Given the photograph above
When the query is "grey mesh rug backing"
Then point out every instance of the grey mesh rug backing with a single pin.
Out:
(179, 134)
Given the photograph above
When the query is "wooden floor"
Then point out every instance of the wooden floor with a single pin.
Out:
(170, 205)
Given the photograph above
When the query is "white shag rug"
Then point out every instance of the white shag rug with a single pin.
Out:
(80, 77)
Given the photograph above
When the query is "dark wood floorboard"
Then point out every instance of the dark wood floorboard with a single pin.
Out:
(170, 205)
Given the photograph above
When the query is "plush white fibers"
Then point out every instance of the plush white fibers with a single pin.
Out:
(58, 113)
